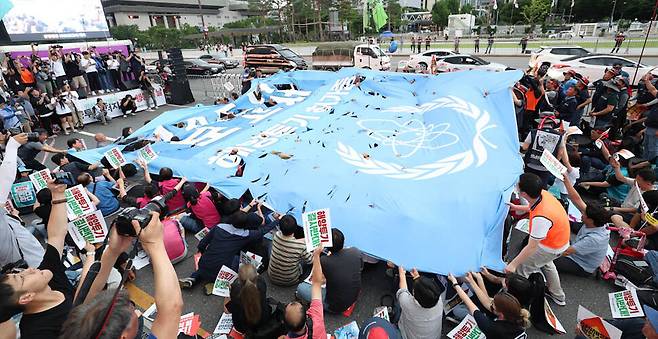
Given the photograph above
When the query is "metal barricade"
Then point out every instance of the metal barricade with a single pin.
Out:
(211, 87)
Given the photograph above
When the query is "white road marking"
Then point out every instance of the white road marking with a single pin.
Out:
(93, 135)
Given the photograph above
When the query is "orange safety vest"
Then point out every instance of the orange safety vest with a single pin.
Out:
(550, 208)
(26, 76)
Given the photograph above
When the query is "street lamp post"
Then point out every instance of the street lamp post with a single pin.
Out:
(612, 14)
(203, 21)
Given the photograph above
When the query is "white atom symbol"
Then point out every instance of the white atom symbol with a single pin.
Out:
(409, 137)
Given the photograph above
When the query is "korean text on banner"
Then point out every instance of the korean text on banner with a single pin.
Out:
(552, 164)
(224, 324)
(77, 202)
(250, 258)
(594, 327)
(381, 312)
(467, 329)
(39, 179)
(147, 154)
(625, 304)
(23, 194)
(189, 324)
(115, 158)
(224, 280)
(317, 229)
(91, 227)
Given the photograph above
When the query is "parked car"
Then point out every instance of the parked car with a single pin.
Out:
(219, 59)
(200, 67)
(593, 66)
(334, 56)
(463, 62)
(272, 58)
(422, 61)
(554, 54)
(562, 35)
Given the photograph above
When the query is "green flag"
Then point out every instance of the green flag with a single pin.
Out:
(379, 15)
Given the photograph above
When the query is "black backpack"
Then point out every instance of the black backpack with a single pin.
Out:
(638, 275)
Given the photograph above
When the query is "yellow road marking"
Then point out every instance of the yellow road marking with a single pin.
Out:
(144, 300)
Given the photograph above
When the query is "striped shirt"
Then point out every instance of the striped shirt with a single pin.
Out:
(286, 258)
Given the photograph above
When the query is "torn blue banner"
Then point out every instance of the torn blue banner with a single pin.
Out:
(415, 169)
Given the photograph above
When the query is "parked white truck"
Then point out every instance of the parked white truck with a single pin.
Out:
(334, 56)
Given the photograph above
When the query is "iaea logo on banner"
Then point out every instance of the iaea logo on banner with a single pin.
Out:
(406, 139)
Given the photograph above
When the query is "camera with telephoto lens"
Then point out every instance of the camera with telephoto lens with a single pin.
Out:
(14, 267)
(543, 69)
(63, 178)
(143, 216)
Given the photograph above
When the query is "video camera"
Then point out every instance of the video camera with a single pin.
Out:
(31, 137)
(143, 216)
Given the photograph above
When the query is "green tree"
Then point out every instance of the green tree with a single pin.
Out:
(467, 9)
(536, 11)
(453, 6)
(394, 11)
(440, 13)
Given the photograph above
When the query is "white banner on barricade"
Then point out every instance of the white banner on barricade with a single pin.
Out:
(112, 101)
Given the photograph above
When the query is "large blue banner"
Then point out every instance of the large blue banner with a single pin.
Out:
(415, 169)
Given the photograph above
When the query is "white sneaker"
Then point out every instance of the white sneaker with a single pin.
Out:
(101, 92)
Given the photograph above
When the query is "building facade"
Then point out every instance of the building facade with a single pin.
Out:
(174, 13)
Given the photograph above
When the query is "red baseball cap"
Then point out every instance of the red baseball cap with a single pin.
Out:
(570, 72)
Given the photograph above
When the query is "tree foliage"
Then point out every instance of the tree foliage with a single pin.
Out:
(536, 11)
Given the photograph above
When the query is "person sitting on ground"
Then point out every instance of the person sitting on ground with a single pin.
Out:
(44, 295)
(104, 316)
(103, 190)
(222, 246)
(150, 192)
(42, 207)
(100, 111)
(296, 316)
(511, 319)
(128, 104)
(421, 312)
(643, 182)
(75, 145)
(234, 96)
(203, 212)
(125, 133)
(342, 270)
(549, 235)
(165, 185)
(588, 251)
(248, 301)
(288, 254)
(639, 222)
(74, 167)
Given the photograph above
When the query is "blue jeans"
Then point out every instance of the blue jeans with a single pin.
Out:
(304, 292)
(191, 224)
(650, 144)
(587, 162)
(652, 259)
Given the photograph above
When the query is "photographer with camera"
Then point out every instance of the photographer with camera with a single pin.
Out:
(57, 65)
(44, 109)
(36, 143)
(44, 295)
(10, 120)
(128, 104)
(63, 112)
(16, 242)
(110, 314)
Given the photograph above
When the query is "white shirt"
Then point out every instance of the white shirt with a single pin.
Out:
(113, 64)
(58, 68)
(540, 228)
(89, 65)
(60, 108)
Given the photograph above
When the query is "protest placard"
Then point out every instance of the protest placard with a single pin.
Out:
(224, 324)
(573, 130)
(552, 164)
(151, 312)
(625, 304)
(381, 312)
(90, 227)
(598, 143)
(23, 194)
(250, 258)
(317, 229)
(229, 86)
(225, 278)
(201, 234)
(189, 324)
(147, 153)
(39, 179)
(115, 158)
(626, 154)
(594, 327)
(552, 320)
(467, 329)
(77, 202)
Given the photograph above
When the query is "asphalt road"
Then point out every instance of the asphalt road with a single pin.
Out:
(589, 292)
